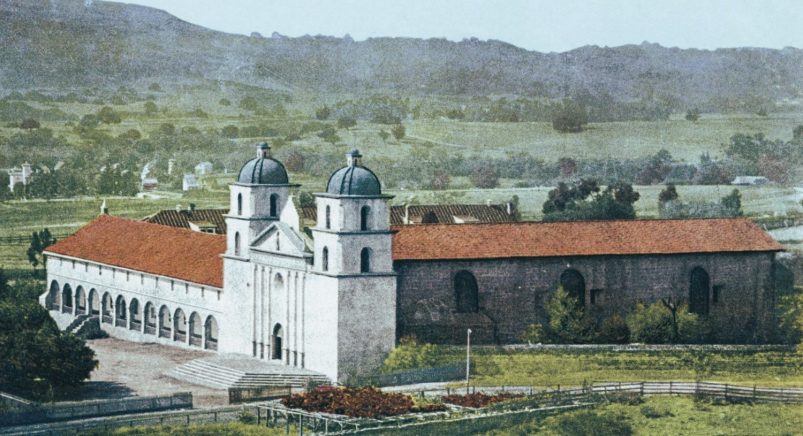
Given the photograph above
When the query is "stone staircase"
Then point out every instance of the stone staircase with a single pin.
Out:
(86, 327)
(217, 376)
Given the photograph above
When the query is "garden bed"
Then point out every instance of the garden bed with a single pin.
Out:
(357, 402)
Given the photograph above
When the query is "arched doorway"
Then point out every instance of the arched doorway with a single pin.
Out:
(164, 322)
(120, 315)
(53, 296)
(94, 302)
(149, 315)
(106, 314)
(66, 299)
(210, 330)
(196, 330)
(699, 286)
(135, 320)
(466, 292)
(276, 346)
(179, 326)
(575, 285)
(80, 301)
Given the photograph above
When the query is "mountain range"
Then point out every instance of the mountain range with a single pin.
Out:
(68, 44)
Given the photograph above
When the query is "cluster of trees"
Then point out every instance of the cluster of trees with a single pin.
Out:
(671, 206)
(775, 159)
(379, 109)
(663, 322)
(586, 200)
(37, 359)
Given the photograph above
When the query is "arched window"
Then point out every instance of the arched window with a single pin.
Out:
(365, 216)
(53, 296)
(575, 285)
(80, 300)
(210, 333)
(325, 259)
(94, 302)
(699, 285)
(365, 260)
(66, 299)
(179, 326)
(135, 320)
(239, 204)
(150, 319)
(196, 334)
(106, 309)
(328, 217)
(274, 206)
(276, 346)
(164, 322)
(120, 312)
(236, 243)
(466, 293)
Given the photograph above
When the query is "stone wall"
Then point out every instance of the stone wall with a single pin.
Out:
(512, 292)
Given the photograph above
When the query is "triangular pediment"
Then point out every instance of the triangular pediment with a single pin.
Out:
(289, 241)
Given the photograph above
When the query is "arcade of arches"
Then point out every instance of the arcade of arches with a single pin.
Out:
(115, 311)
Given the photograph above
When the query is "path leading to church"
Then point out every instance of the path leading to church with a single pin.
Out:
(136, 369)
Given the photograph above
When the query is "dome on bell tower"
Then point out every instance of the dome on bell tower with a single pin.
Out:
(263, 170)
(354, 179)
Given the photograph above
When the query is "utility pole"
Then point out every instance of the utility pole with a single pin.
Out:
(468, 358)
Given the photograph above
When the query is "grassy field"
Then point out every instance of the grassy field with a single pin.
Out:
(552, 368)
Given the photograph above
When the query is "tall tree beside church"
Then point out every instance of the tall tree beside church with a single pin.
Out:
(585, 200)
(39, 242)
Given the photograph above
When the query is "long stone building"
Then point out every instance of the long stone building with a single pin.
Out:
(335, 296)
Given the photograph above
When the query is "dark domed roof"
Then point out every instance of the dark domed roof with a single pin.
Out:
(354, 179)
(263, 170)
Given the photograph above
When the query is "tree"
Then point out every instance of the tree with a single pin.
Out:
(249, 103)
(693, 115)
(154, 87)
(346, 123)
(569, 117)
(167, 129)
(669, 193)
(328, 134)
(150, 108)
(733, 203)
(323, 113)
(306, 199)
(665, 322)
(567, 322)
(398, 132)
(585, 200)
(89, 121)
(30, 123)
(797, 134)
(485, 177)
(107, 115)
(384, 135)
(295, 161)
(39, 242)
(440, 180)
(568, 166)
(762, 112)
(224, 102)
(230, 131)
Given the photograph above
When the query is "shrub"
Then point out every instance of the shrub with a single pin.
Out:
(591, 423)
(478, 399)
(614, 330)
(358, 402)
(653, 411)
(653, 325)
(567, 322)
(410, 354)
(247, 417)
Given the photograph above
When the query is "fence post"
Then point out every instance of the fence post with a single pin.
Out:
(726, 392)
(641, 389)
(754, 392)
(670, 387)
(286, 423)
(259, 416)
(300, 425)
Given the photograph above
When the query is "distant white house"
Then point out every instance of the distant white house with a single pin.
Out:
(19, 175)
(190, 182)
(203, 168)
(750, 180)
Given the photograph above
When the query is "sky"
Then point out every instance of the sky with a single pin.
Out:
(554, 25)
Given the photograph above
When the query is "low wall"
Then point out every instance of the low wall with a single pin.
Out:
(245, 395)
(456, 371)
(39, 412)
(634, 348)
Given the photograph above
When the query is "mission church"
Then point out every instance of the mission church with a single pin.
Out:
(334, 297)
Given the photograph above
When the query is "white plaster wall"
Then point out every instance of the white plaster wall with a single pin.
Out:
(321, 325)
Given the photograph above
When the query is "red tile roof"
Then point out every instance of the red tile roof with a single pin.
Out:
(589, 238)
(152, 248)
(183, 218)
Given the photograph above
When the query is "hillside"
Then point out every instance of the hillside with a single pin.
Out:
(67, 44)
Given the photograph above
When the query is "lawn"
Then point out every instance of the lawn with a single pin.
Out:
(496, 367)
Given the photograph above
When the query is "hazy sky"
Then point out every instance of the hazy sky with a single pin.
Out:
(554, 25)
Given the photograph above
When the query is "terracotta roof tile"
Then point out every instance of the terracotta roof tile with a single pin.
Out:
(182, 218)
(590, 238)
(152, 248)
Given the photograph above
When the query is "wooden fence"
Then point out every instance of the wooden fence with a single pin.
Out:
(26, 239)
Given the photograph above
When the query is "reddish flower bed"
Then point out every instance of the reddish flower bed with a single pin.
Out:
(357, 402)
(478, 399)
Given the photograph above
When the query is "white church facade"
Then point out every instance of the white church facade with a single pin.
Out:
(325, 301)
